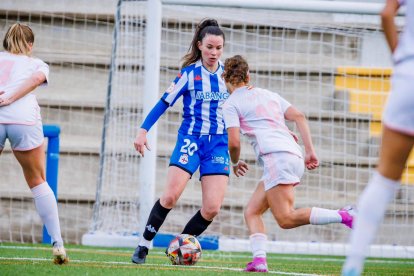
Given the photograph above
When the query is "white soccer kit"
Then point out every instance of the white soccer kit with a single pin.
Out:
(399, 110)
(259, 114)
(405, 49)
(14, 71)
(20, 121)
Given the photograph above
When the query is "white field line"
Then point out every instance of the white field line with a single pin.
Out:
(207, 254)
(151, 265)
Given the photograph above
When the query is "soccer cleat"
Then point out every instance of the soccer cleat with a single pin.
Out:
(59, 254)
(139, 255)
(348, 213)
(257, 265)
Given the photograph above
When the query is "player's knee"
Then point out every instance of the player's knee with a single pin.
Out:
(284, 221)
(168, 201)
(250, 212)
(209, 212)
(285, 225)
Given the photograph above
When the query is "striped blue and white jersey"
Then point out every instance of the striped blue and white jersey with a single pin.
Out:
(203, 95)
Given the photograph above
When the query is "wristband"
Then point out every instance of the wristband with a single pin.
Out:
(234, 164)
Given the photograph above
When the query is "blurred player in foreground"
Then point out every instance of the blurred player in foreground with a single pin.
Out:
(260, 115)
(21, 124)
(397, 138)
(202, 138)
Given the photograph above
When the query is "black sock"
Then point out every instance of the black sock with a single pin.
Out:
(197, 225)
(155, 220)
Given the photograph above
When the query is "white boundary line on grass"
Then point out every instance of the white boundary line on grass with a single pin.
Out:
(304, 258)
(150, 265)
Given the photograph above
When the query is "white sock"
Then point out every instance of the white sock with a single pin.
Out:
(371, 209)
(46, 206)
(258, 243)
(144, 242)
(321, 216)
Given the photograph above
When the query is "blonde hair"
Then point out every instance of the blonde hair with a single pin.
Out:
(18, 38)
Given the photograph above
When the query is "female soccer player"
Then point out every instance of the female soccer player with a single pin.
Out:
(397, 138)
(20, 122)
(260, 115)
(202, 138)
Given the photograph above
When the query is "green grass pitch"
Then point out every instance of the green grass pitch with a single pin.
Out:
(35, 259)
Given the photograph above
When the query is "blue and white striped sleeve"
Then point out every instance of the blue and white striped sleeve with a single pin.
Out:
(177, 88)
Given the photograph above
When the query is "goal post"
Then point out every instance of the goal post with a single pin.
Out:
(327, 58)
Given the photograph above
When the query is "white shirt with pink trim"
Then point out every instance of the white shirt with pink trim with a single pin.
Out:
(259, 113)
(14, 71)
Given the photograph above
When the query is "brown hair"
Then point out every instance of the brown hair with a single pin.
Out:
(206, 26)
(236, 70)
(17, 39)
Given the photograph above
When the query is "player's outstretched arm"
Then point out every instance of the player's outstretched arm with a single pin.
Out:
(293, 114)
(388, 23)
(141, 138)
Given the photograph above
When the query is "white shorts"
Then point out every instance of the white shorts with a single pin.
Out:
(399, 110)
(22, 137)
(281, 168)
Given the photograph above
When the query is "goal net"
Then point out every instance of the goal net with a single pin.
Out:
(332, 66)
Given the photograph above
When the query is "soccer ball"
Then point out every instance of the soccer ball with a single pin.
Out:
(184, 250)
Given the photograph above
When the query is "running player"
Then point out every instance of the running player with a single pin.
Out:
(20, 122)
(260, 115)
(397, 138)
(202, 138)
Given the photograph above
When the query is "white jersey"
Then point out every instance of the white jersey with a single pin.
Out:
(399, 110)
(14, 71)
(405, 48)
(259, 114)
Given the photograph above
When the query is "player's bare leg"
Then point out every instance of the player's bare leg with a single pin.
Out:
(33, 165)
(381, 190)
(213, 189)
(395, 149)
(176, 181)
(254, 210)
(253, 216)
(281, 200)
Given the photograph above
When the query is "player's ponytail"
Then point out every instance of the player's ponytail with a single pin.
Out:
(18, 39)
(236, 70)
(206, 26)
